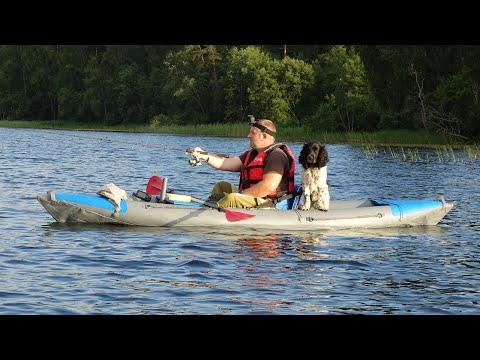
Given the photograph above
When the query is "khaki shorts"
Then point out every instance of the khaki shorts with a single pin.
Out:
(226, 194)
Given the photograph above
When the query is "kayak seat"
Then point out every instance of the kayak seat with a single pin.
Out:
(291, 203)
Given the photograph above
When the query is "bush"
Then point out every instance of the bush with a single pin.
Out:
(161, 120)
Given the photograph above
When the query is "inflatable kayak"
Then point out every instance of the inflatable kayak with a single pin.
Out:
(185, 211)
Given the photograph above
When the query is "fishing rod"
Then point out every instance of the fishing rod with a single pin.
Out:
(192, 162)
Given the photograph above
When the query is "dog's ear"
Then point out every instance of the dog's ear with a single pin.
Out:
(323, 156)
(302, 159)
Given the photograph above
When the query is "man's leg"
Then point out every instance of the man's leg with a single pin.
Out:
(227, 195)
(223, 187)
(237, 200)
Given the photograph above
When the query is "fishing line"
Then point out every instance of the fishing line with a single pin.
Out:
(185, 151)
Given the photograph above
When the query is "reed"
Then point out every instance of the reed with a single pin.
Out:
(440, 153)
(472, 152)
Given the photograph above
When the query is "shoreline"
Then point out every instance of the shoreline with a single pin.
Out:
(391, 138)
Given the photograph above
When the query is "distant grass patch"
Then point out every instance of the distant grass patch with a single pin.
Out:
(398, 138)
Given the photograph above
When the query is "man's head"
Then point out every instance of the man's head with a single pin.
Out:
(262, 134)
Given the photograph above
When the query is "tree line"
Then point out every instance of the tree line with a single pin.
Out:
(324, 87)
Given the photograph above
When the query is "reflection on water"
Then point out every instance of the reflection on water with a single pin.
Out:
(310, 247)
(262, 246)
(52, 268)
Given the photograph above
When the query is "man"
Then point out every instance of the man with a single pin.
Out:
(266, 171)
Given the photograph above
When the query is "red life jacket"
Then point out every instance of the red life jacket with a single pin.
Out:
(253, 169)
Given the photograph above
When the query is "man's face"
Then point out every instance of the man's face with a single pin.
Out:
(256, 137)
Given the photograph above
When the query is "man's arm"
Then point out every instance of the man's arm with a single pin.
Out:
(226, 164)
(231, 164)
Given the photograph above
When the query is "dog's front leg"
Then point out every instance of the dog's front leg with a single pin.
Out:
(314, 198)
(323, 201)
(307, 204)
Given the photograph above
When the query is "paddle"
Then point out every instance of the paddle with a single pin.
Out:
(230, 215)
(154, 185)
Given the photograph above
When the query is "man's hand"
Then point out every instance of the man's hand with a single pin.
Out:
(198, 153)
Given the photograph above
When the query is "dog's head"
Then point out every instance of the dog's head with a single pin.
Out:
(313, 154)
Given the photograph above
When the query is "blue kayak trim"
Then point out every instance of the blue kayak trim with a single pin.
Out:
(185, 203)
(399, 207)
(405, 207)
(91, 200)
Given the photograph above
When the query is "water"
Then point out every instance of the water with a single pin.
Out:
(51, 268)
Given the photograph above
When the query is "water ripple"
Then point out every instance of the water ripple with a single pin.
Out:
(197, 264)
(51, 268)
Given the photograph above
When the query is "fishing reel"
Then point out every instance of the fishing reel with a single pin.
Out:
(195, 162)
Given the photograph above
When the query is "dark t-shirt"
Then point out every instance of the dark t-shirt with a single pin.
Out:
(276, 161)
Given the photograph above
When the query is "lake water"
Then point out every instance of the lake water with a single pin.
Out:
(52, 268)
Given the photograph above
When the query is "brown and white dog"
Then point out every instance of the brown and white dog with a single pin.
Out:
(314, 158)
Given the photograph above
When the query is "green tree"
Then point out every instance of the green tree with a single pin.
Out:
(97, 89)
(192, 83)
(342, 96)
(258, 84)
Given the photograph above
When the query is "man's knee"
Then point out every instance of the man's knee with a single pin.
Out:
(214, 198)
(223, 187)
